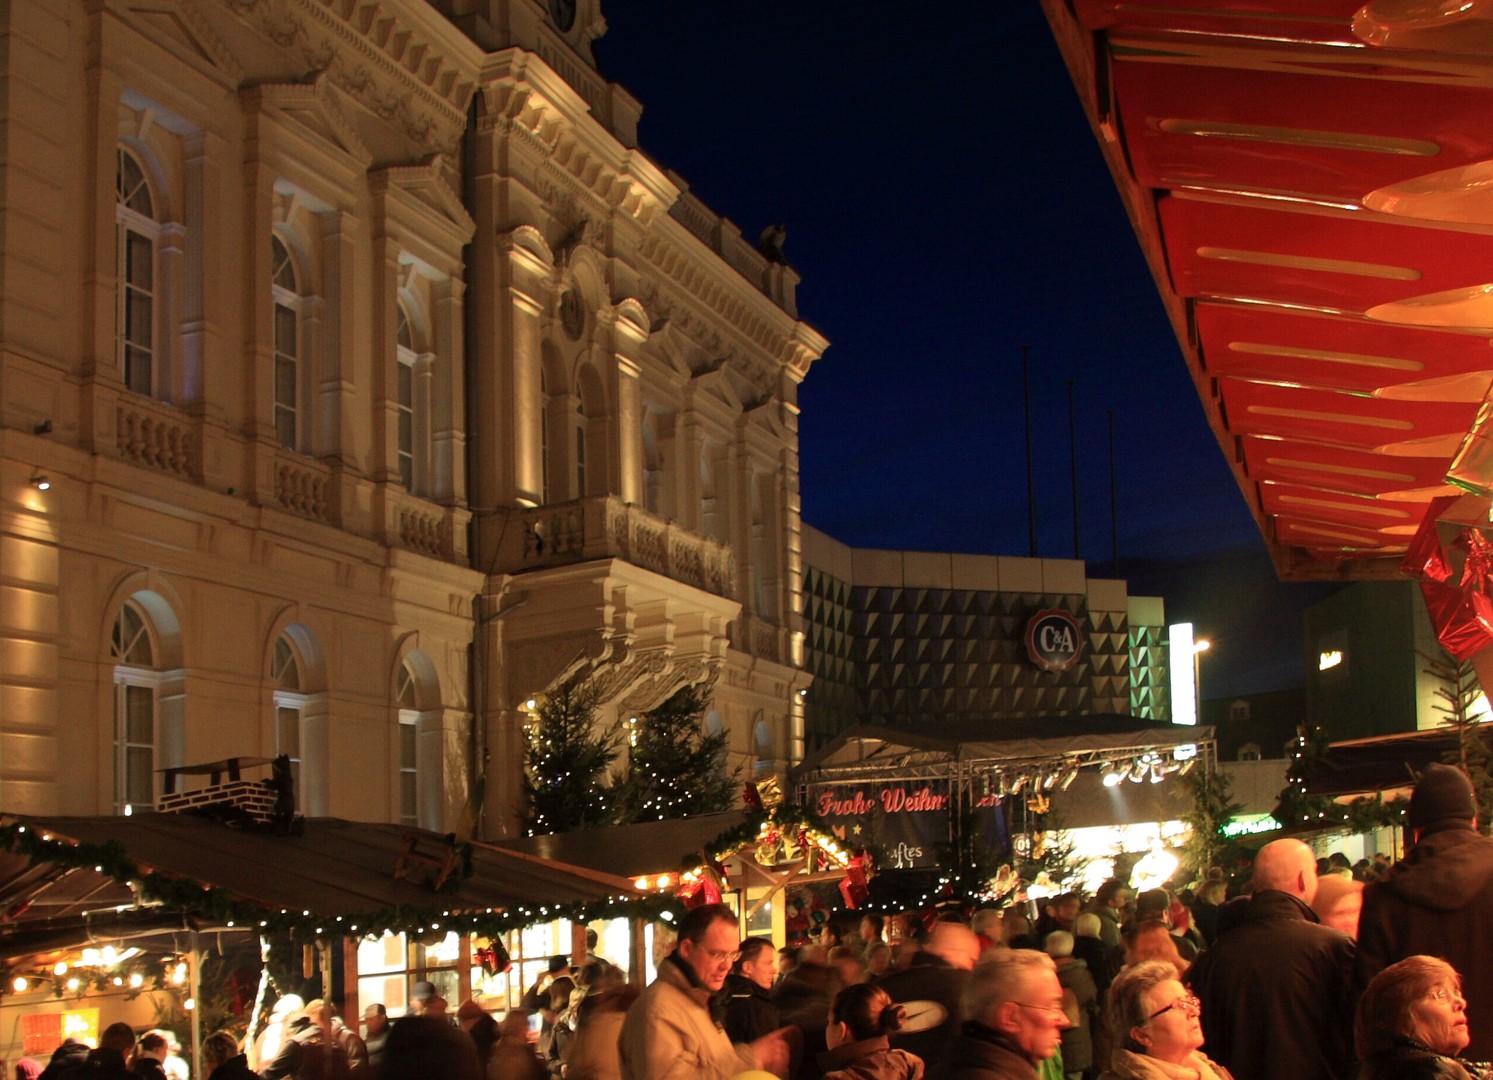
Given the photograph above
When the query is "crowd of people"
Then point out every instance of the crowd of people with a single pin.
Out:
(1307, 969)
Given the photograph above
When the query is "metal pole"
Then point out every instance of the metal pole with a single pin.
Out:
(196, 991)
(1114, 505)
(1073, 468)
(1031, 490)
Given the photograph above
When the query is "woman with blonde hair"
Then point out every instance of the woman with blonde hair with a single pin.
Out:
(1157, 1027)
(1412, 1023)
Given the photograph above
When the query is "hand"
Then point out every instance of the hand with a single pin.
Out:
(778, 1050)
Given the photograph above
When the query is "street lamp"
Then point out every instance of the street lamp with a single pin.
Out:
(1199, 647)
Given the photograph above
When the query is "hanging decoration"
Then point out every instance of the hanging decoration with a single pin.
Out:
(1451, 556)
(855, 889)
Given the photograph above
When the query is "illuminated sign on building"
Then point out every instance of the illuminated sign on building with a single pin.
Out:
(1054, 640)
(1329, 659)
(1249, 826)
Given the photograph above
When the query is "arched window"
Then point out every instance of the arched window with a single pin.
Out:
(580, 450)
(286, 292)
(762, 746)
(136, 682)
(405, 398)
(409, 734)
(290, 704)
(137, 232)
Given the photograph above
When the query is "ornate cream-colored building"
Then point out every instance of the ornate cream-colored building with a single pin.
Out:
(361, 380)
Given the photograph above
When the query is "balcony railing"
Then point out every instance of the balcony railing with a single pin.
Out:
(606, 527)
(157, 436)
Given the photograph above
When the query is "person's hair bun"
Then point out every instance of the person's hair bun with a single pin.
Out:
(892, 1018)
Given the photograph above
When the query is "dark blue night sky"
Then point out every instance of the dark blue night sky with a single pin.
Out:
(946, 203)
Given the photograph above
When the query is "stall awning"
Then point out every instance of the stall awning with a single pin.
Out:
(333, 868)
(1385, 764)
(630, 851)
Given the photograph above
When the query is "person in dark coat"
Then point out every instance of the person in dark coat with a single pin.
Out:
(939, 974)
(1438, 899)
(150, 1057)
(1014, 1005)
(108, 1061)
(222, 1060)
(747, 996)
(481, 1027)
(70, 1053)
(311, 1052)
(1276, 987)
(1412, 1023)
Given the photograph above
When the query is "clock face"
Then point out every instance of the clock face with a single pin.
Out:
(563, 13)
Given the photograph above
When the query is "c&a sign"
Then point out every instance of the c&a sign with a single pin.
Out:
(1054, 640)
(908, 820)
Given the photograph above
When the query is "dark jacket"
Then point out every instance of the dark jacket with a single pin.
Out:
(1410, 1060)
(749, 1010)
(980, 1053)
(931, 979)
(1437, 901)
(870, 1059)
(148, 1068)
(1277, 992)
(1078, 1040)
(100, 1064)
(235, 1068)
(70, 1053)
(309, 1055)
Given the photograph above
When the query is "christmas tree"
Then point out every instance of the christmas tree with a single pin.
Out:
(1459, 691)
(1213, 806)
(677, 770)
(566, 764)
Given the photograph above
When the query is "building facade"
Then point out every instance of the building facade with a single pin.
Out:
(360, 381)
(920, 639)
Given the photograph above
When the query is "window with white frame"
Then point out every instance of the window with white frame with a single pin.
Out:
(405, 399)
(135, 694)
(137, 232)
(285, 288)
(580, 451)
(409, 731)
(290, 705)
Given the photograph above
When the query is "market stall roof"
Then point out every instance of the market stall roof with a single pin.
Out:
(867, 749)
(333, 868)
(1385, 764)
(629, 851)
(1308, 181)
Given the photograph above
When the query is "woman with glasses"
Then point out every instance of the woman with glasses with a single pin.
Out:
(1155, 1025)
(1412, 1024)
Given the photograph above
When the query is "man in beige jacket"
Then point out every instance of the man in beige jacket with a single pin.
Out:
(669, 1033)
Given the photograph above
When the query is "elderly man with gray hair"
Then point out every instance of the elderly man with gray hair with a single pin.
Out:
(1013, 1018)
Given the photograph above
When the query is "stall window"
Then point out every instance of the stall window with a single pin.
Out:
(389, 967)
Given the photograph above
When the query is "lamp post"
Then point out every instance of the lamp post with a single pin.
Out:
(1199, 647)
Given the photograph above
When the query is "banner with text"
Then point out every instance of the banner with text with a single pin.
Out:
(908, 821)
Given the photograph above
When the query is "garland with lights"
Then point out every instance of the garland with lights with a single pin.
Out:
(676, 769)
(1299, 811)
(223, 907)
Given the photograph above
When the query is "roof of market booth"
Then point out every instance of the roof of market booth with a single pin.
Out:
(646, 848)
(868, 750)
(342, 873)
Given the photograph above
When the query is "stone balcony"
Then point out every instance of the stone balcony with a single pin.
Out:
(605, 527)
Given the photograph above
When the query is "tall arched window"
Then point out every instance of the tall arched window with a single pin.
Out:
(405, 398)
(409, 732)
(285, 288)
(290, 704)
(136, 681)
(136, 231)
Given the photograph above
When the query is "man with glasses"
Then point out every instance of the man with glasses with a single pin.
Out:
(1277, 986)
(1014, 1018)
(669, 1033)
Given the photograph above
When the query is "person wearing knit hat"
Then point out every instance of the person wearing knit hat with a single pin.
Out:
(1438, 899)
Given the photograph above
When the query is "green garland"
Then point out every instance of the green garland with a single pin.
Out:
(223, 907)
(786, 816)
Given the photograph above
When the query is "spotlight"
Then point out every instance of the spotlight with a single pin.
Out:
(1018, 783)
(1050, 781)
(1068, 778)
(20, 984)
(40, 480)
(1187, 766)
(1113, 775)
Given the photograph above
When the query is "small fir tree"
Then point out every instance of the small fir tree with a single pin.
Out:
(1213, 806)
(677, 770)
(1298, 809)
(566, 765)
(1457, 692)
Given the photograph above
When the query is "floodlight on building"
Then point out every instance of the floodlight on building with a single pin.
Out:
(40, 480)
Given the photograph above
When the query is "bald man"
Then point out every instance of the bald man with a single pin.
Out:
(1277, 986)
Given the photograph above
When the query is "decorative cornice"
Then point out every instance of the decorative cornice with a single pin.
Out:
(383, 56)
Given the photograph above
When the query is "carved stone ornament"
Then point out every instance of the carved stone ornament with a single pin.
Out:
(573, 314)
